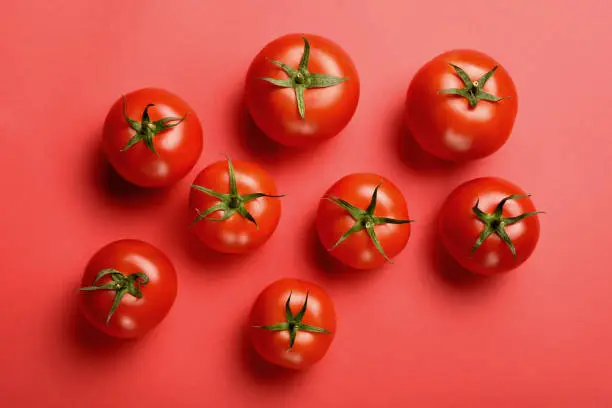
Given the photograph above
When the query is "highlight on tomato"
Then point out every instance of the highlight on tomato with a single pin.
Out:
(292, 323)
(489, 225)
(302, 89)
(461, 106)
(235, 206)
(152, 138)
(128, 288)
(363, 221)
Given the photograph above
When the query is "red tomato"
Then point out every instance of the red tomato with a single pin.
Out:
(235, 206)
(461, 105)
(363, 221)
(293, 323)
(302, 89)
(152, 137)
(128, 288)
(489, 225)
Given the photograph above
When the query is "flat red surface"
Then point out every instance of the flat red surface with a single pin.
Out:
(419, 333)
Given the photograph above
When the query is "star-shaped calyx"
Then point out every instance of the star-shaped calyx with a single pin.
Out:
(147, 129)
(293, 324)
(301, 79)
(473, 90)
(496, 223)
(122, 284)
(230, 203)
(365, 219)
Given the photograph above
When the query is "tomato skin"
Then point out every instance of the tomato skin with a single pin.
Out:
(236, 235)
(328, 110)
(134, 317)
(179, 147)
(459, 228)
(358, 251)
(445, 125)
(269, 308)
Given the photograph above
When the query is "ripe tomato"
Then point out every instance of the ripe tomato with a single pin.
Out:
(152, 137)
(128, 288)
(489, 225)
(363, 221)
(235, 206)
(293, 323)
(302, 89)
(461, 105)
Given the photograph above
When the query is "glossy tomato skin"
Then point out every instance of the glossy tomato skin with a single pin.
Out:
(358, 251)
(459, 228)
(236, 235)
(134, 317)
(445, 125)
(179, 147)
(269, 308)
(328, 110)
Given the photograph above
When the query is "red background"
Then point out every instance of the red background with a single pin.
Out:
(418, 333)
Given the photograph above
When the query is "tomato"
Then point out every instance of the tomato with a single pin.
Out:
(489, 225)
(293, 323)
(152, 137)
(302, 89)
(461, 106)
(363, 221)
(128, 288)
(235, 206)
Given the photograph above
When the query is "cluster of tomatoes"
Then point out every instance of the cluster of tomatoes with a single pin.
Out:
(301, 90)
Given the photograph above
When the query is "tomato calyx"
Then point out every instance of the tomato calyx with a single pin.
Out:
(496, 223)
(473, 90)
(293, 324)
(365, 219)
(147, 129)
(230, 203)
(122, 284)
(301, 79)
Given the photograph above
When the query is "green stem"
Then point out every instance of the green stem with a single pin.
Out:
(496, 223)
(365, 220)
(472, 90)
(146, 129)
(294, 323)
(301, 79)
(121, 284)
(230, 203)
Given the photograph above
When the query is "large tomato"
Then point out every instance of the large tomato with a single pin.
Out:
(128, 288)
(293, 323)
(489, 225)
(152, 137)
(363, 220)
(461, 105)
(302, 89)
(235, 206)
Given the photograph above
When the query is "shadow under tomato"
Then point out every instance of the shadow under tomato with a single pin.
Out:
(449, 273)
(329, 267)
(115, 190)
(260, 146)
(413, 156)
(201, 254)
(259, 370)
(87, 339)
